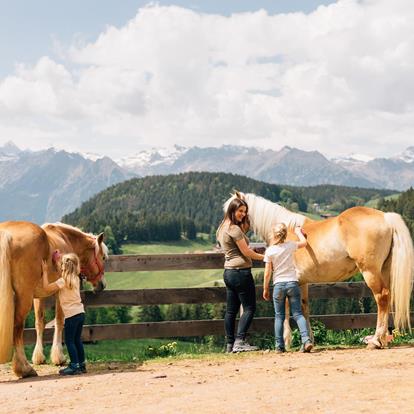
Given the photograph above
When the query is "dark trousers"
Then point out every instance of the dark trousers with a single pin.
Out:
(240, 291)
(73, 333)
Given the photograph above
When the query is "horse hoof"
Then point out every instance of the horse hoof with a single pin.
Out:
(38, 359)
(27, 374)
(373, 345)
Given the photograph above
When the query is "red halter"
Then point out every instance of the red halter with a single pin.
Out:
(101, 269)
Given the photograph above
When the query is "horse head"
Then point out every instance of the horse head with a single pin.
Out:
(263, 214)
(92, 261)
(91, 250)
(236, 194)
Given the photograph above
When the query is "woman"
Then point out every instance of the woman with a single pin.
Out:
(237, 275)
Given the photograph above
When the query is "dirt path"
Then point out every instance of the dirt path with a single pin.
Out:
(334, 381)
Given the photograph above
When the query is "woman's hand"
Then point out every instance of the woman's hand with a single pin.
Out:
(266, 294)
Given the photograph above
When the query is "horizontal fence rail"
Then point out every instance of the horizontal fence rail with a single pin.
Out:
(173, 329)
(207, 295)
(151, 262)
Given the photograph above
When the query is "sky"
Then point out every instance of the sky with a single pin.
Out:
(117, 77)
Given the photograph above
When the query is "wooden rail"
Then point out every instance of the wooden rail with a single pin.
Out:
(151, 262)
(207, 295)
(173, 329)
(131, 263)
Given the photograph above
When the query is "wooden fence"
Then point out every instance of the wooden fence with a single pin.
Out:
(128, 263)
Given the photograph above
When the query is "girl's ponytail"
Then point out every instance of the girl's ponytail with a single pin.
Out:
(278, 234)
(70, 268)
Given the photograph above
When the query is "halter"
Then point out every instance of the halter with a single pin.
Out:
(101, 269)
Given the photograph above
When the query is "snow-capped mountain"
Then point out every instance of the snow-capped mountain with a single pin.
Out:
(9, 151)
(140, 161)
(286, 166)
(44, 185)
(406, 156)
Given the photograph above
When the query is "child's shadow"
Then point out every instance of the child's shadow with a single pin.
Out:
(93, 370)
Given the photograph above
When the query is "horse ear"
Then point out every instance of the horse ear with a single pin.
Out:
(237, 194)
(100, 238)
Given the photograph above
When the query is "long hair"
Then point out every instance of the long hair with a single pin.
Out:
(230, 214)
(70, 268)
(278, 234)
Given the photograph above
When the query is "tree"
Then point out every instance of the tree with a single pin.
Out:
(150, 313)
(111, 242)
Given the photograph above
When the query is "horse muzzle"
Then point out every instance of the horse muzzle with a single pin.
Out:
(100, 286)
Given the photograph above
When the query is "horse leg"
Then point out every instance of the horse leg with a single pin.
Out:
(56, 354)
(305, 307)
(38, 357)
(20, 365)
(287, 331)
(382, 298)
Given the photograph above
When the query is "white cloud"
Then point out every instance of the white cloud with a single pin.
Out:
(339, 80)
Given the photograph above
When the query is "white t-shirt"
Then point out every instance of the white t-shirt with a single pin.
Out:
(281, 257)
(70, 299)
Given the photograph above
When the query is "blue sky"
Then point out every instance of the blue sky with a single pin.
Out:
(31, 27)
(116, 77)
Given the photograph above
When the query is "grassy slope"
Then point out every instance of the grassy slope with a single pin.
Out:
(165, 279)
(374, 203)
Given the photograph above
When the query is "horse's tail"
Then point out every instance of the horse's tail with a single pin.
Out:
(6, 299)
(402, 270)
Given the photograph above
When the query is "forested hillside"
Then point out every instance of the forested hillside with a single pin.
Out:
(163, 207)
(403, 205)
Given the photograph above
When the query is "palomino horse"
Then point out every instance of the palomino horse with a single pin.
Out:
(92, 253)
(23, 246)
(362, 239)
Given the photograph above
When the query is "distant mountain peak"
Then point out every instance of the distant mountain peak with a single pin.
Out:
(354, 158)
(10, 148)
(407, 155)
(152, 157)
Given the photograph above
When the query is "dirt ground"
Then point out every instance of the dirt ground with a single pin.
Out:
(325, 381)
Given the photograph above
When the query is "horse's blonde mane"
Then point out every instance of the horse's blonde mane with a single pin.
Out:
(264, 214)
(75, 229)
(69, 227)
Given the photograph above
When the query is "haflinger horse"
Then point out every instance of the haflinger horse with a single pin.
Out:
(23, 246)
(362, 239)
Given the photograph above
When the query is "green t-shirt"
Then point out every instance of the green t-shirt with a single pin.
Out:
(227, 236)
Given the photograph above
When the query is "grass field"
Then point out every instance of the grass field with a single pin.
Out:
(166, 279)
(132, 350)
(374, 203)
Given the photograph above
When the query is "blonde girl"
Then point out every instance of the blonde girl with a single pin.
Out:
(279, 259)
(68, 286)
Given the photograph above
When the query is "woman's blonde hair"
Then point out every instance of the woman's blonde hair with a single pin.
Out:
(278, 233)
(70, 268)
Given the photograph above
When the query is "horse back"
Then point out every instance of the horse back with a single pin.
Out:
(29, 245)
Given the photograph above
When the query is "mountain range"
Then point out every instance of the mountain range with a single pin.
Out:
(289, 166)
(44, 185)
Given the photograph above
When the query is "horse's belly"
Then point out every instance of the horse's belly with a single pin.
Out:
(327, 270)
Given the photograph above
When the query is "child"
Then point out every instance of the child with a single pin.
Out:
(279, 261)
(68, 286)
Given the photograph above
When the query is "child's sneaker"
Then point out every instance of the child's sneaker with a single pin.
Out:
(71, 369)
(229, 348)
(279, 350)
(82, 368)
(242, 346)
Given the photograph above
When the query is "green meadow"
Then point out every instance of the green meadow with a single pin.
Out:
(170, 278)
